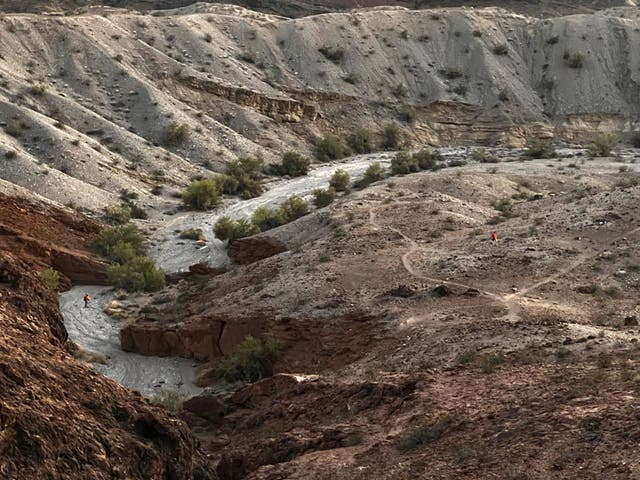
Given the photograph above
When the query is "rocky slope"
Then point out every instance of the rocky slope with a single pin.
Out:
(58, 418)
(91, 103)
(415, 348)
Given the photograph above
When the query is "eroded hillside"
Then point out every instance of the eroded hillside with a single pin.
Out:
(94, 103)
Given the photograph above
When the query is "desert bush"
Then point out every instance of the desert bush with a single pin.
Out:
(136, 274)
(232, 230)
(293, 208)
(170, 400)
(553, 40)
(340, 181)
(120, 243)
(117, 214)
(247, 173)
(503, 205)
(482, 156)
(404, 163)
(574, 60)
(207, 38)
(266, 218)
(635, 140)
(450, 73)
(501, 49)
(361, 141)
(335, 54)
(294, 164)
(490, 361)
(540, 150)
(10, 154)
(192, 234)
(251, 360)
(400, 90)
(427, 159)
(503, 96)
(602, 145)
(330, 147)
(351, 78)
(460, 90)
(50, 278)
(408, 113)
(373, 174)
(202, 194)
(176, 134)
(391, 137)
(323, 197)
(423, 432)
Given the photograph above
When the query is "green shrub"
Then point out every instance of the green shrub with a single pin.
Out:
(400, 90)
(120, 243)
(294, 165)
(176, 134)
(482, 156)
(323, 197)
(50, 278)
(248, 56)
(38, 89)
(193, 234)
(247, 172)
(635, 140)
(136, 274)
(361, 141)
(227, 184)
(170, 400)
(330, 148)
(373, 174)
(335, 54)
(117, 214)
(424, 432)
(232, 230)
(490, 361)
(266, 218)
(540, 150)
(202, 194)
(403, 163)
(391, 137)
(293, 208)
(252, 360)
(602, 145)
(340, 181)
(427, 159)
(501, 49)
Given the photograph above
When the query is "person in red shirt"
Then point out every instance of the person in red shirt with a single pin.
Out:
(494, 237)
(87, 299)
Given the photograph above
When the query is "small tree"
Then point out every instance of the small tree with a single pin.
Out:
(50, 278)
(391, 137)
(294, 164)
(119, 243)
(232, 230)
(602, 145)
(340, 181)
(202, 194)
(330, 148)
(323, 197)
(117, 214)
(361, 141)
(224, 228)
(374, 173)
(403, 163)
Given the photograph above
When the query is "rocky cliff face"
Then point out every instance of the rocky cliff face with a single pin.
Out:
(89, 102)
(58, 418)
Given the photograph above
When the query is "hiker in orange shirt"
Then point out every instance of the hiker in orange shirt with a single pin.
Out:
(494, 237)
(87, 299)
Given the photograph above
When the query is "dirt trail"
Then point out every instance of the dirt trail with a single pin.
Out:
(511, 301)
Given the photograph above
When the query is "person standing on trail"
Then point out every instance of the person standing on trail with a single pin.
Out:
(87, 299)
(494, 238)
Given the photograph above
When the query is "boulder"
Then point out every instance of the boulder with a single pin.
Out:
(205, 406)
(252, 249)
(442, 291)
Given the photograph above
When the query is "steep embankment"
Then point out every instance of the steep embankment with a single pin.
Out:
(59, 418)
(91, 104)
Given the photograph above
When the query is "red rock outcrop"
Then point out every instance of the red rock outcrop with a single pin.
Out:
(58, 417)
(253, 249)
